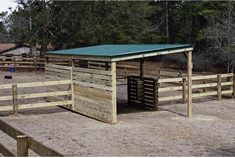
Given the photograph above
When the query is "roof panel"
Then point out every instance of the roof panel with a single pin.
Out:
(119, 50)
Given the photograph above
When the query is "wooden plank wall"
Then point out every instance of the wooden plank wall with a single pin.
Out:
(58, 72)
(94, 93)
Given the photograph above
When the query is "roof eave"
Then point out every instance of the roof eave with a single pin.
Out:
(151, 54)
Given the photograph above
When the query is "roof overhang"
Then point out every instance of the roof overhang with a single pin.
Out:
(119, 58)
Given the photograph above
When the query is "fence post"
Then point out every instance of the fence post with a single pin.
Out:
(14, 62)
(219, 87)
(234, 85)
(156, 96)
(35, 64)
(184, 89)
(22, 145)
(14, 98)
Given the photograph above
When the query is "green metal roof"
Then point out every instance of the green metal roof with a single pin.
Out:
(119, 50)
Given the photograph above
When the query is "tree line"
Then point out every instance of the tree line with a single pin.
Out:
(208, 25)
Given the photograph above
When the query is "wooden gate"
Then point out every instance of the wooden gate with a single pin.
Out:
(142, 92)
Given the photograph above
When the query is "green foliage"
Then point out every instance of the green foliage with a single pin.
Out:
(69, 24)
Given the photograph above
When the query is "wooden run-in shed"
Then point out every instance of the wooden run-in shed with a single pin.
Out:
(95, 93)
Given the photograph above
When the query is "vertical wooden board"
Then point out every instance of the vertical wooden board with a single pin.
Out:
(114, 92)
(189, 65)
(219, 87)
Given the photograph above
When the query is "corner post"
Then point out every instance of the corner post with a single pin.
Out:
(114, 92)
(22, 145)
(189, 69)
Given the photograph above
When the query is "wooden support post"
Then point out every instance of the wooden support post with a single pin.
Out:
(141, 68)
(189, 65)
(72, 90)
(14, 98)
(156, 87)
(219, 80)
(22, 145)
(114, 92)
(184, 90)
(234, 85)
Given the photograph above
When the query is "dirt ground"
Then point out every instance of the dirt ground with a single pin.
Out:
(211, 131)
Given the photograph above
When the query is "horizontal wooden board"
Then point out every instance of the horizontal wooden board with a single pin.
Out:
(170, 98)
(43, 105)
(169, 80)
(47, 94)
(93, 92)
(96, 105)
(45, 83)
(92, 71)
(170, 89)
(204, 94)
(93, 85)
(4, 98)
(59, 66)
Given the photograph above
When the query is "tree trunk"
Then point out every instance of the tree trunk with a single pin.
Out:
(167, 21)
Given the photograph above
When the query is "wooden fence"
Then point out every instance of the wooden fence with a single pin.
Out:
(156, 91)
(24, 143)
(34, 63)
(15, 97)
(207, 85)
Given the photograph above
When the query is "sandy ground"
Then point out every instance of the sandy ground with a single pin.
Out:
(211, 131)
(138, 133)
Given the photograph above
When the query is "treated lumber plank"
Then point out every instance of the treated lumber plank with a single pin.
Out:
(93, 85)
(106, 95)
(205, 94)
(227, 83)
(58, 66)
(170, 98)
(204, 85)
(42, 105)
(4, 98)
(6, 108)
(189, 74)
(40, 95)
(34, 145)
(5, 86)
(114, 93)
(227, 92)
(226, 75)
(6, 152)
(42, 149)
(165, 80)
(204, 77)
(92, 71)
(45, 83)
(170, 89)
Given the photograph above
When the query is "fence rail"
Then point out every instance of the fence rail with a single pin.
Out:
(24, 143)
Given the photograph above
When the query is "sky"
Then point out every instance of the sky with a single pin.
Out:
(5, 4)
